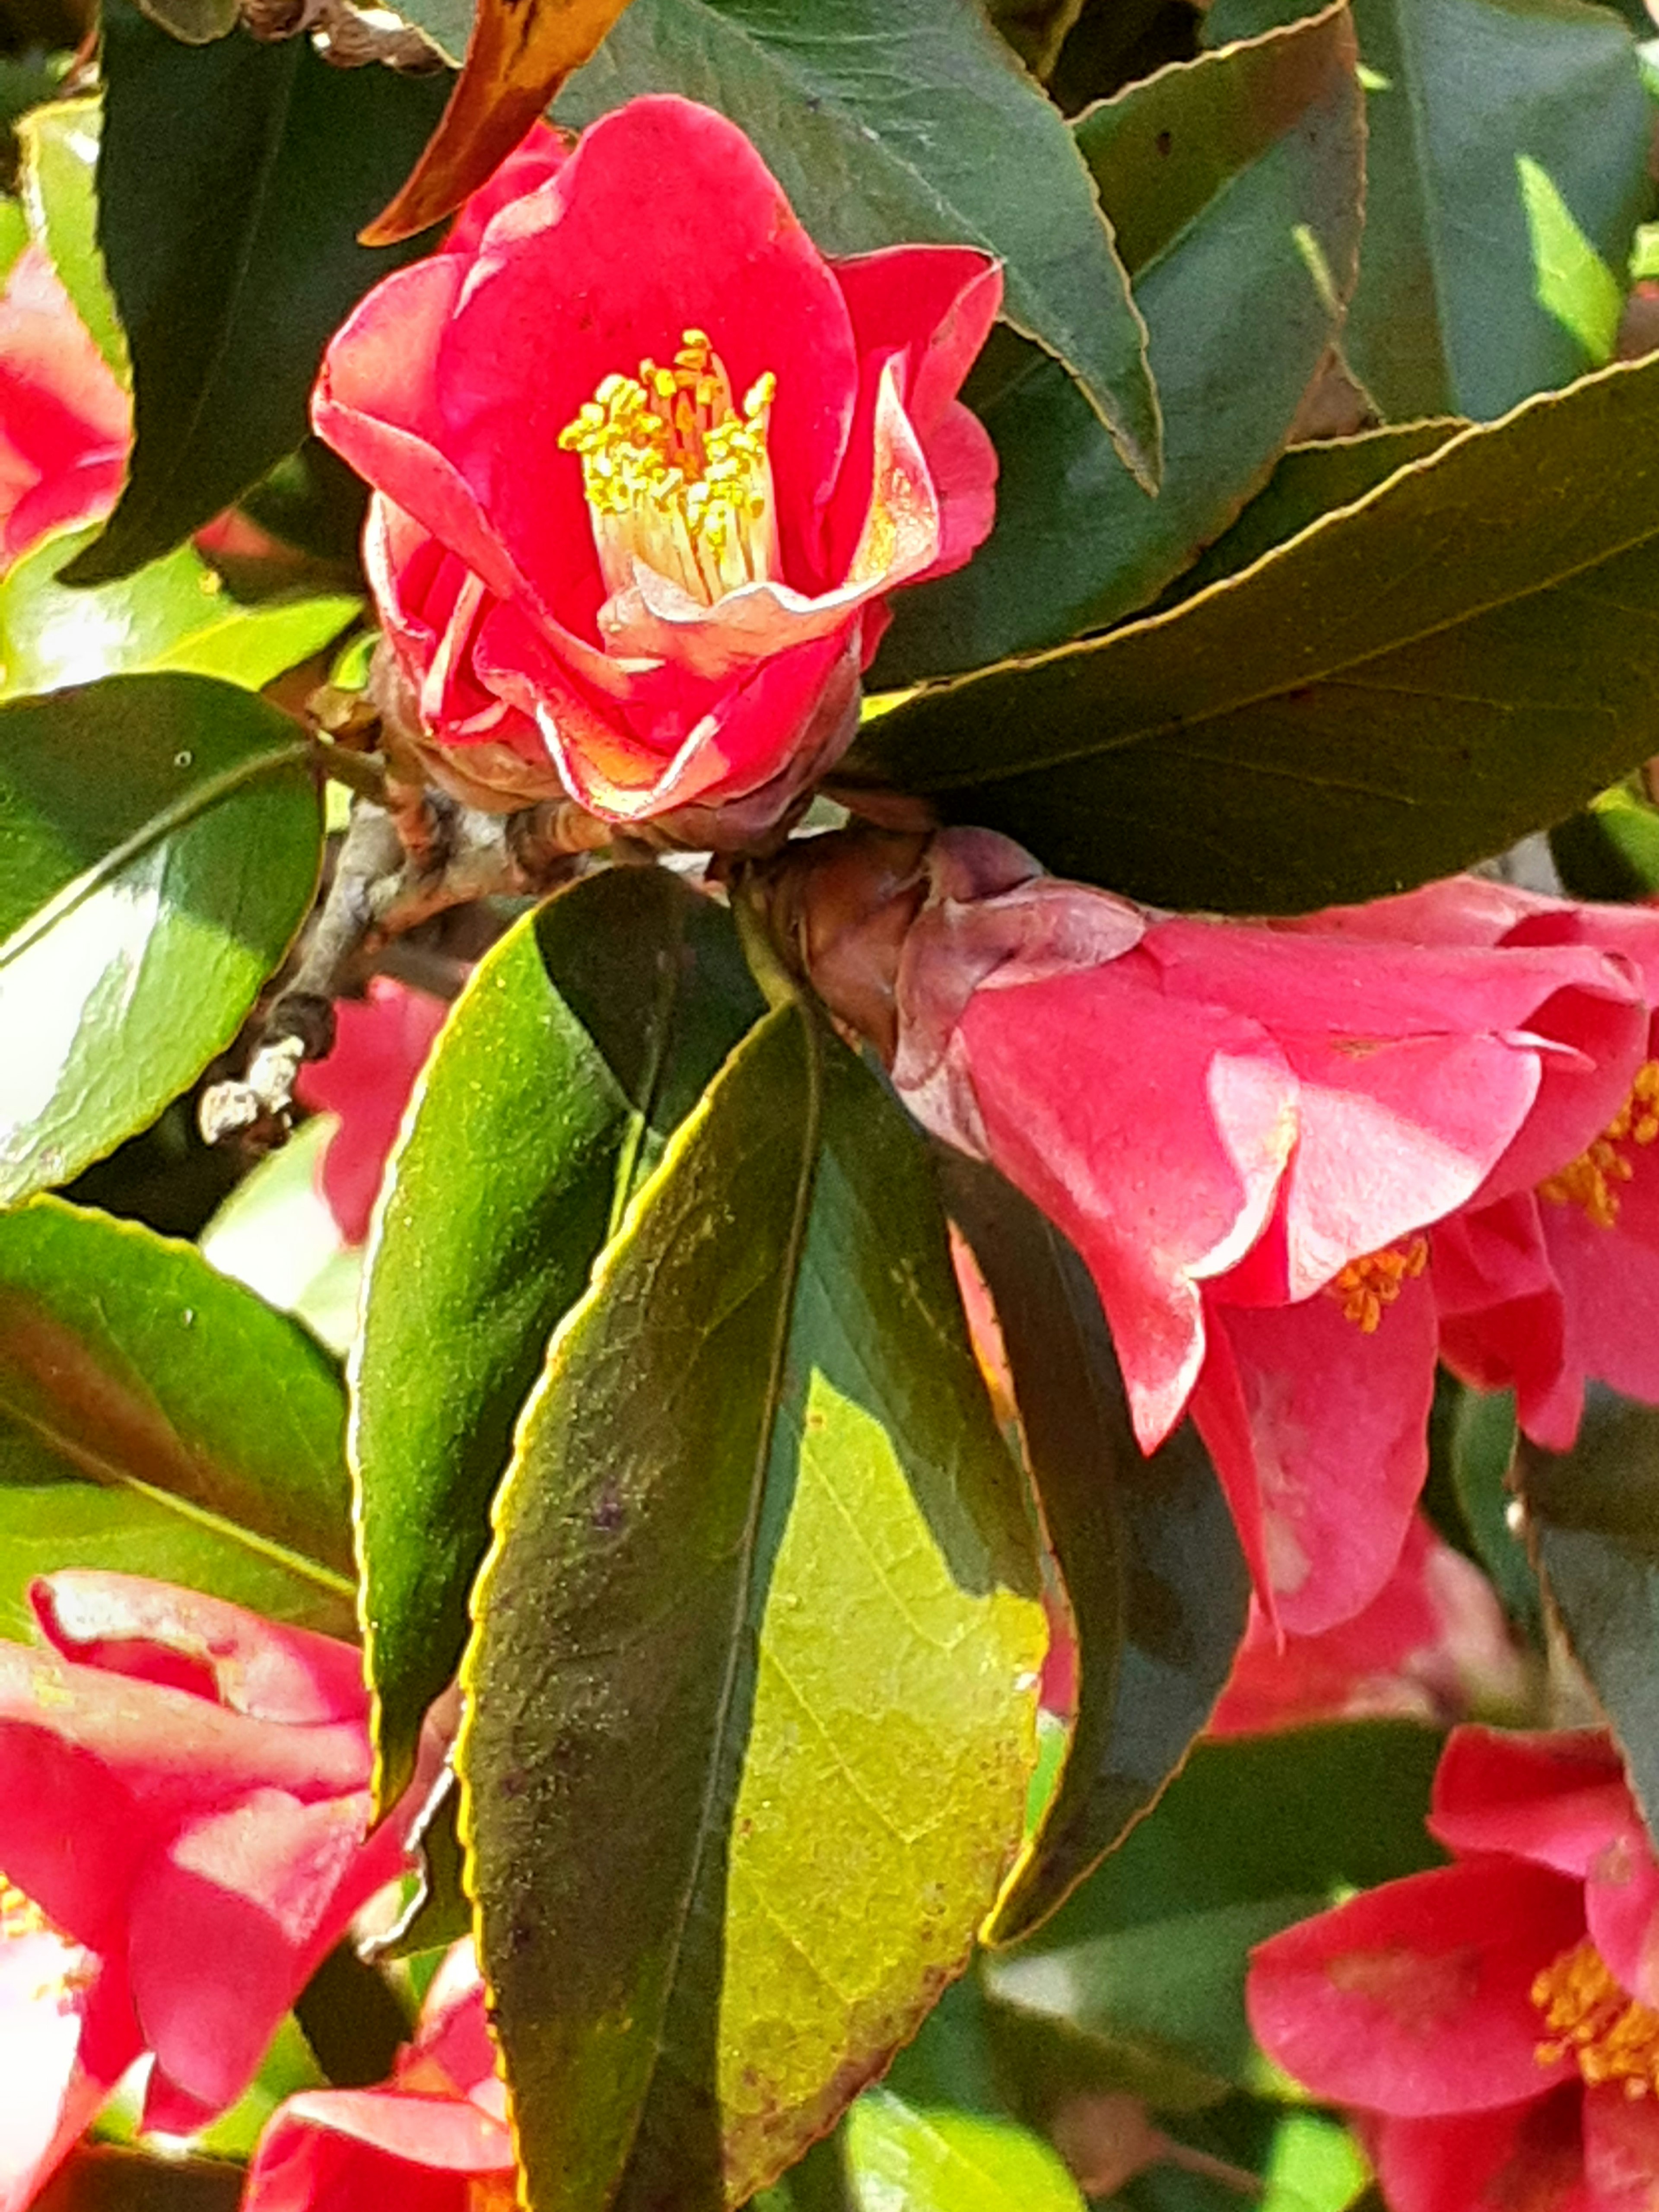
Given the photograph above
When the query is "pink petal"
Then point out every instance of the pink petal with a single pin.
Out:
(963, 463)
(934, 304)
(346, 2150)
(1621, 1904)
(542, 154)
(73, 1838)
(1556, 1798)
(1338, 1435)
(65, 423)
(1521, 2157)
(1152, 1131)
(1621, 2152)
(67, 2035)
(711, 244)
(128, 1626)
(269, 1884)
(1413, 1999)
(1608, 1280)
(380, 1045)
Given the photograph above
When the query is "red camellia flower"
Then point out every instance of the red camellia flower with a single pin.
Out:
(186, 1802)
(1431, 1645)
(434, 2139)
(1246, 1130)
(646, 465)
(380, 1044)
(1494, 2025)
(65, 423)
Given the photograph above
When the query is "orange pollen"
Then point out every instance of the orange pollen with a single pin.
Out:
(1594, 2022)
(1367, 1286)
(1591, 1180)
(679, 478)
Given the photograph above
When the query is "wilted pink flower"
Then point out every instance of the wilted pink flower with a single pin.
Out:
(645, 466)
(1246, 1130)
(434, 2139)
(65, 423)
(184, 1808)
(1431, 1645)
(1493, 2025)
(380, 1045)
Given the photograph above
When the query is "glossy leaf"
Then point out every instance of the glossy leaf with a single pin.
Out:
(159, 838)
(1593, 1518)
(1447, 319)
(1154, 1573)
(57, 178)
(519, 54)
(1145, 1963)
(1407, 687)
(886, 125)
(1262, 143)
(175, 613)
(232, 181)
(1309, 481)
(1482, 1453)
(903, 2158)
(752, 1692)
(582, 1040)
(158, 1418)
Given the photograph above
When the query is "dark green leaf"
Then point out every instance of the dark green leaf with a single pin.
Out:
(1447, 319)
(352, 2020)
(1146, 1962)
(1157, 1582)
(1265, 144)
(156, 1418)
(98, 2178)
(589, 1032)
(232, 181)
(1309, 481)
(1407, 687)
(753, 1694)
(1594, 1516)
(159, 844)
(173, 614)
(889, 126)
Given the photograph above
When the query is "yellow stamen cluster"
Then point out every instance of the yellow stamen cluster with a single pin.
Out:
(1367, 1286)
(1594, 2022)
(21, 1918)
(21, 1914)
(676, 477)
(1590, 1181)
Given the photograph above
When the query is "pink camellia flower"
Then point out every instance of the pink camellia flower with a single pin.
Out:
(1431, 1645)
(434, 2139)
(185, 1805)
(380, 1045)
(65, 422)
(1494, 2024)
(646, 465)
(1246, 1130)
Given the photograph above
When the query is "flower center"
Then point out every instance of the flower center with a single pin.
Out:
(1366, 1285)
(1592, 2020)
(676, 477)
(21, 1918)
(1589, 1180)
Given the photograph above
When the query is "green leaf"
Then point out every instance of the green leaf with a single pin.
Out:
(584, 1038)
(1482, 1452)
(1157, 1583)
(156, 1418)
(1610, 851)
(160, 837)
(1447, 319)
(57, 178)
(888, 127)
(1572, 281)
(1145, 1963)
(1407, 687)
(175, 613)
(1593, 1515)
(1262, 141)
(1307, 481)
(903, 2157)
(752, 1697)
(232, 181)
(196, 22)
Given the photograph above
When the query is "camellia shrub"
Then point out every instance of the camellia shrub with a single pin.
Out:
(828, 1106)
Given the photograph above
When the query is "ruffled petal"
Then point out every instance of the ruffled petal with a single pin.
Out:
(1529, 2158)
(1337, 1426)
(1556, 1798)
(1413, 1999)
